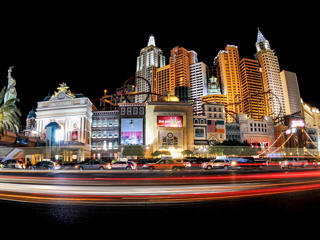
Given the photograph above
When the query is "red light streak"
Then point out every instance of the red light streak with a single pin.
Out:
(274, 175)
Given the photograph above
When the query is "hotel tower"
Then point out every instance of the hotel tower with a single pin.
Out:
(271, 77)
(253, 99)
(227, 64)
(150, 58)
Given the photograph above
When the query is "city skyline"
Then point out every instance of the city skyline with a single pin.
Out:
(152, 164)
(79, 69)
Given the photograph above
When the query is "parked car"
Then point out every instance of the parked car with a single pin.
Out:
(218, 163)
(46, 165)
(93, 165)
(167, 164)
(124, 165)
(13, 163)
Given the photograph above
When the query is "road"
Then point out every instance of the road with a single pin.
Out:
(235, 203)
(151, 187)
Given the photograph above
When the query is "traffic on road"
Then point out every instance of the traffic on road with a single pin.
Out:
(166, 163)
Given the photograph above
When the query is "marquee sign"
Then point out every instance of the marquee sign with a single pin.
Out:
(170, 121)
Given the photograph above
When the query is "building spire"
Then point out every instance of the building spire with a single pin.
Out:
(262, 43)
(151, 41)
(260, 37)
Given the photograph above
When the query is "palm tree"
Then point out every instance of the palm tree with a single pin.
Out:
(9, 114)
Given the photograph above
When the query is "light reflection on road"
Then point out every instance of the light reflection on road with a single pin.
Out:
(137, 189)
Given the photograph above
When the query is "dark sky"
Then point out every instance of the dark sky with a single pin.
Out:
(93, 47)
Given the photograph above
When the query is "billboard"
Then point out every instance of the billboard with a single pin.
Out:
(170, 121)
(131, 131)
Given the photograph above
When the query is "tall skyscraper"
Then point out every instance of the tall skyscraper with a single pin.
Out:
(180, 67)
(228, 72)
(291, 91)
(253, 99)
(199, 79)
(150, 58)
(271, 77)
(161, 82)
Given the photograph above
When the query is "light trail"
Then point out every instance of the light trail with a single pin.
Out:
(87, 191)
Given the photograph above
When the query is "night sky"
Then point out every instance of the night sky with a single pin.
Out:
(94, 47)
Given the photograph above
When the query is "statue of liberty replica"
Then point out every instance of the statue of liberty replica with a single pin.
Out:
(11, 92)
(9, 113)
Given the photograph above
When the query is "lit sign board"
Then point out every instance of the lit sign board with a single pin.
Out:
(170, 121)
(297, 123)
(131, 131)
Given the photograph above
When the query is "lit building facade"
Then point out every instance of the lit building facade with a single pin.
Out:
(201, 143)
(169, 125)
(132, 122)
(258, 133)
(216, 121)
(271, 77)
(253, 99)
(200, 130)
(228, 73)
(161, 82)
(199, 79)
(180, 60)
(150, 58)
(312, 125)
(291, 92)
(72, 113)
(30, 124)
(105, 134)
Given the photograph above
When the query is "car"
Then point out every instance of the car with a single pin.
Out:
(124, 165)
(218, 163)
(293, 163)
(92, 164)
(46, 165)
(13, 163)
(167, 164)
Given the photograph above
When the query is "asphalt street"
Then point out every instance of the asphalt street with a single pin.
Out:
(236, 203)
